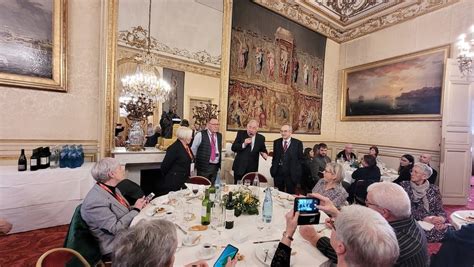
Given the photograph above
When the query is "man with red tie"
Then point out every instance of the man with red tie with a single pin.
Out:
(207, 147)
(286, 163)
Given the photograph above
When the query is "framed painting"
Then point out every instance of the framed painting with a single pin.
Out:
(276, 71)
(408, 87)
(33, 44)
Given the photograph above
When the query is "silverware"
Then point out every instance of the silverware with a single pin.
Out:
(266, 241)
(180, 228)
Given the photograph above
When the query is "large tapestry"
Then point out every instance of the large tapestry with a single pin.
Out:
(276, 71)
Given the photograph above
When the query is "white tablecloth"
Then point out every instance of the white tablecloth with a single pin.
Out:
(459, 218)
(263, 168)
(388, 176)
(43, 198)
(244, 225)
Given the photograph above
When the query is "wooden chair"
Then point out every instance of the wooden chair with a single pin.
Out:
(199, 180)
(251, 175)
(59, 257)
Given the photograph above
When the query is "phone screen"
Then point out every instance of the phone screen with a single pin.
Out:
(306, 205)
(149, 197)
(229, 251)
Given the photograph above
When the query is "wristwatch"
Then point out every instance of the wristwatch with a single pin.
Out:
(287, 236)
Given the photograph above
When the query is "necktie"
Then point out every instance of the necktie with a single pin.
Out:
(285, 146)
(213, 147)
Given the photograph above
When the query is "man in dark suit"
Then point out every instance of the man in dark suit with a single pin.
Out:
(346, 154)
(248, 145)
(286, 164)
(426, 159)
(207, 147)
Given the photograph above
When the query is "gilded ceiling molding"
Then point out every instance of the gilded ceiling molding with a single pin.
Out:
(293, 11)
(125, 53)
(133, 39)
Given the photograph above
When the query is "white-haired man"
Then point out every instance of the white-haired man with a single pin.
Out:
(346, 154)
(426, 159)
(392, 202)
(359, 237)
(248, 145)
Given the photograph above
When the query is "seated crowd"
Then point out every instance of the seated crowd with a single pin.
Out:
(384, 232)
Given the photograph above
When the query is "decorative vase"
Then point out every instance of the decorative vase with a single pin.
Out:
(136, 136)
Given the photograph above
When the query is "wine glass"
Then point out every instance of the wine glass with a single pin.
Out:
(217, 221)
(247, 182)
(259, 223)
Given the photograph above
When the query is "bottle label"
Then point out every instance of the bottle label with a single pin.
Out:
(229, 215)
(212, 197)
(22, 167)
(34, 162)
(203, 211)
(43, 161)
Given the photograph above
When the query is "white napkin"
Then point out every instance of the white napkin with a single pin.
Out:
(426, 225)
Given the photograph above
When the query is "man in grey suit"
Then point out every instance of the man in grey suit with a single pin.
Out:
(104, 209)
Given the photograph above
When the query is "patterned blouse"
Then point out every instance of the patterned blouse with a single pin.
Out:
(338, 195)
(435, 209)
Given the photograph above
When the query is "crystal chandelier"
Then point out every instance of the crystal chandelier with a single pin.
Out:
(146, 81)
(465, 53)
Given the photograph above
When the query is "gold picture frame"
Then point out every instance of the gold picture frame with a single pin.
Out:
(34, 54)
(403, 88)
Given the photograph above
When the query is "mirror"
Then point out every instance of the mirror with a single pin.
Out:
(185, 47)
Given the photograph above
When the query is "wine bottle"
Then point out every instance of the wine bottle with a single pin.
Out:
(206, 209)
(44, 158)
(267, 209)
(22, 162)
(229, 213)
(34, 160)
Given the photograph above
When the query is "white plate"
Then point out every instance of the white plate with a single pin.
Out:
(207, 257)
(198, 240)
(260, 254)
(167, 208)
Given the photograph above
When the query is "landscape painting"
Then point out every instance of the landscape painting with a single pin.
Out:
(403, 88)
(32, 42)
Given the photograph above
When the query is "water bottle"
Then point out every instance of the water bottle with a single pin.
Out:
(267, 209)
(256, 181)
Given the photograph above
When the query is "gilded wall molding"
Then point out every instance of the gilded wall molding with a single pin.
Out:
(127, 39)
(293, 11)
(127, 53)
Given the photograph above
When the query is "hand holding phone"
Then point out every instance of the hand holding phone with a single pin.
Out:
(308, 209)
(149, 197)
(229, 252)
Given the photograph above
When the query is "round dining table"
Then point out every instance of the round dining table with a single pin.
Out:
(176, 207)
(462, 217)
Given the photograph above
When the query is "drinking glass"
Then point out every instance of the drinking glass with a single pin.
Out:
(259, 223)
(217, 221)
(247, 182)
(188, 213)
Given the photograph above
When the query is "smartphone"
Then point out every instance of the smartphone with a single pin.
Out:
(308, 209)
(229, 251)
(149, 197)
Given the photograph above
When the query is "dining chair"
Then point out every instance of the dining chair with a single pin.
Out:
(80, 239)
(199, 180)
(59, 257)
(251, 176)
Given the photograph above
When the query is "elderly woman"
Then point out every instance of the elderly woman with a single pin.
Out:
(404, 171)
(330, 186)
(104, 209)
(426, 203)
(150, 243)
(176, 166)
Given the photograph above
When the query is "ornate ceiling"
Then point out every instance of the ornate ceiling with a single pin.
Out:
(344, 20)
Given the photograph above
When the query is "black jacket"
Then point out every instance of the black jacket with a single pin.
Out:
(176, 166)
(247, 158)
(290, 161)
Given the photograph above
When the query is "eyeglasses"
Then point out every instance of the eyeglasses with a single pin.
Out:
(214, 124)
(330, 224)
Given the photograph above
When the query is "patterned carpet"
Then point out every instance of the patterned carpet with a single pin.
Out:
(24, 249)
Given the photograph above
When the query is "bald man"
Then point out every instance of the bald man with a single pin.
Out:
(346, 154)
(426, 159)
(248, 145)
(286, 163)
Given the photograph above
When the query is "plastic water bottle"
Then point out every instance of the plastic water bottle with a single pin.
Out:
(256, 181)
(267, 209)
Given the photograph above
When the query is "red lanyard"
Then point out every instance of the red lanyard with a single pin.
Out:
(188, 150)
(117, 196)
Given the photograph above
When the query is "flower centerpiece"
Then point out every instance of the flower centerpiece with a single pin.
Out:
(245, 202)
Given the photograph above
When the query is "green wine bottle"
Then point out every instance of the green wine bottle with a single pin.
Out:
(206, 210)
